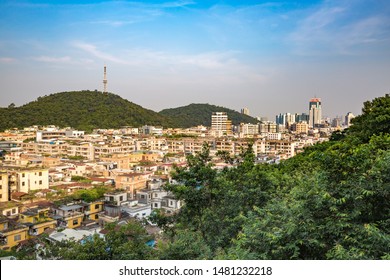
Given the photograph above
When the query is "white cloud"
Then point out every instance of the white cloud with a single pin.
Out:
(7, 59)
(338, 28)
(93, 50)
(51, 59)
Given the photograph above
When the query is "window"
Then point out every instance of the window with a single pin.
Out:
(121, 198)
(1, 177)
(170, 202)
(40, 182)
(23, 183)
(23, 175)
(155, 205)
(17, 237)
(142, 196)
(96, 216)
(8, 213)
(13, 211)
(96, 206)
(1, 195)
(1, 187)
(75, 222)
(40, 173)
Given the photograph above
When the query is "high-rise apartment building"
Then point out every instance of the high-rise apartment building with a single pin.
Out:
(348, 119)
(245, 111)
(315, 112)
(220, 123)
(286, 119)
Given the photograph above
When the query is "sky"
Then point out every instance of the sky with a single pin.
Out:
(268, 56)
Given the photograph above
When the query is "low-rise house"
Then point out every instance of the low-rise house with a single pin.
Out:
(117, 197)
(71, 234)
(101, 181)
(93, 210)
(10, 208)
(170, 204)
(69, 216)
(37, 220)
(20, 196)
(11, 233)
(112, 213)
(138, 210)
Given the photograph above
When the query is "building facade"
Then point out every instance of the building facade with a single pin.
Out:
(315, 112)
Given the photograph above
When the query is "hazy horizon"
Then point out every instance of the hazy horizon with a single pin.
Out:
(268, 56)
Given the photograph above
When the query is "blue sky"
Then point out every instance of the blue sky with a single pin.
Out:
(269, 56)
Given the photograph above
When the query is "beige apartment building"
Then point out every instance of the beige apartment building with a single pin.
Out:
(300, 128)
(4, 191)
(55, 149)
(30, 180)
(131, 182)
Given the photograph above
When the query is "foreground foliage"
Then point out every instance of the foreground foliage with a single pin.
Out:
(330, 202)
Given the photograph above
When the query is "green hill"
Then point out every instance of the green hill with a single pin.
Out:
(84, 110)
(200, 114)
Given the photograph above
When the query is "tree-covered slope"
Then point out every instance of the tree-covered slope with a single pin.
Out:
(200, 114)
(83, 110)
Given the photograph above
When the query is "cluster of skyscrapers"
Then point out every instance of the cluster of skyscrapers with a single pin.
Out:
(314, 119)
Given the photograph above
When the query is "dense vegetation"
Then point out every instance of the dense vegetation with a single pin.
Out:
(84, 110)
(200, 114)
(330, 202)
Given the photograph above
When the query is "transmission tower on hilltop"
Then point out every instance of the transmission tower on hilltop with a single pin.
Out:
(105, 80)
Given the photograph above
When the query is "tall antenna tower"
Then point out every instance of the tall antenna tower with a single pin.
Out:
(105, 80)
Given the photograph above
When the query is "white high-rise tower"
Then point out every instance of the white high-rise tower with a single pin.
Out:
(315, 112)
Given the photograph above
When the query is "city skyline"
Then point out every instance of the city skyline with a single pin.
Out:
(236, 54)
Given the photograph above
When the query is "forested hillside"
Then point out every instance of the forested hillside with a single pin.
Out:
(200, 114)
(84, 110)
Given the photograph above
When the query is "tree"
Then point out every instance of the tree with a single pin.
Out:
(374, 120)
(121, 242)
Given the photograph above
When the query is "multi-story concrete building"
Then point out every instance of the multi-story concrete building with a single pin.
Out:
(265, 127)
(4, 190)
(315, 112)
(131, 182)
(31, 179)
(275, 147)
(245, 111)
(11, 233)
(348, 117)
(54, 149)
(300, 128)
(248, 130)
(220, 124)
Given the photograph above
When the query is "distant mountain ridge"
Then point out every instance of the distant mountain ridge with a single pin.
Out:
(84, 110)
(87, 110)
(200, 114)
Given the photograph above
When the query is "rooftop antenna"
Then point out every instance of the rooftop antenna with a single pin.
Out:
(105, 79)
